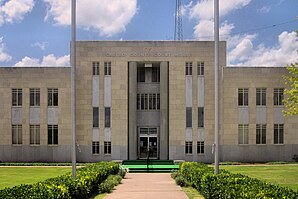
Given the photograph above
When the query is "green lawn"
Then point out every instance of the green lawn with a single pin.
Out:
(284, 175)
(12, 176)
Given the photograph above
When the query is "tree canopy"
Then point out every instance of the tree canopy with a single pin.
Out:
(291, 92)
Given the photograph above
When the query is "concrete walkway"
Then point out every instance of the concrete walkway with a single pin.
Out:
(147, 185)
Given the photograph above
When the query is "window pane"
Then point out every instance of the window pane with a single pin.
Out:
(95, 117)
(55, 134)
(20, 98)
(31, 98)
(140, 74)
(50, 136)
(188, 117)
(201, 117)
(55, 99)
(240, 98)
(107, 117)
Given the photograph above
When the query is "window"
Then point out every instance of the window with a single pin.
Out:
(278, 133)
(242, 96)
(35, 134)
(95, 147)
(107, 68)
(107, 148)
(278, 96)
(201, 68)
(16, 97)
(188, 148)
(53, 97)
(188, 68)
(148, 131)
(200, 117)
(242, 133)
(188, 117)
(155, 74)
(261, 96)
(200, 147)
(148, 101)
(95, 117)
(16, 134)
(34, 97)
(107, 117)
(261, 134)
(52, 134)
(140, 74)
(95, 68)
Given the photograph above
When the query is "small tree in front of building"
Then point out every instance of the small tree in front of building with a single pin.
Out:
(291, 92)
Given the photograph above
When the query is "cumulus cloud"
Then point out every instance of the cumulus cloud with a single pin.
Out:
(15, 10)
(108, 17)
(4, 56)
(285, 52)
(49, 60)
(41, 45)
(204, 8)
(203, 13)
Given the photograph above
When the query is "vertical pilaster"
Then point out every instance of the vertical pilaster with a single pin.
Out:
(132, 111)
(164, 111)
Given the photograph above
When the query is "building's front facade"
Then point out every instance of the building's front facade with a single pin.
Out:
(138, 96)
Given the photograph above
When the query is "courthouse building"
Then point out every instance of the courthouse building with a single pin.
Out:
(138, 96)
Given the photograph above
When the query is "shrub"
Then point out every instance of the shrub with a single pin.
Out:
(64, 187)
(108, 185)
(228, 185)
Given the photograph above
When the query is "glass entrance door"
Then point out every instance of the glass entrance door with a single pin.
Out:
(148, 143)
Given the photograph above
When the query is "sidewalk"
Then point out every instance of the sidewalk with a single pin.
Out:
(147, 185)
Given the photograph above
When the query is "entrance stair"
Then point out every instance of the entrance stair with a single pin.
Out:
(150, 166)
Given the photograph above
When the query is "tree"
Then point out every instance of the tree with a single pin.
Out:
(291, 93)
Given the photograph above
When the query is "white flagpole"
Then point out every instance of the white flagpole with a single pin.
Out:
(73, 85)
(216, 83)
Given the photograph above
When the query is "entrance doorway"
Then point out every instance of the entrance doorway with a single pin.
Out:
(148, 143)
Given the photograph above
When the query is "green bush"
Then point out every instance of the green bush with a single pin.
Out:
(64, 187)
(108, 185)
(227, 185)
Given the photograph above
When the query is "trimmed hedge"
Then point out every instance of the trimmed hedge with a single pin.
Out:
(227, 185)
(64, 187)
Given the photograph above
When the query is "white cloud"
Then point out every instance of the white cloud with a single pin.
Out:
(108, 17)
(15, 10)
(41, 45)
(203, 11)
(4, 56)
(264, 9)
(285, 52)
(204, 8)
(204, 30)
(49, 60)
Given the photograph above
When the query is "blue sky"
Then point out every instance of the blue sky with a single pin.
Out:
(37, 32)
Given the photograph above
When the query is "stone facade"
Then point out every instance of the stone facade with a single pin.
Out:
(115, 106)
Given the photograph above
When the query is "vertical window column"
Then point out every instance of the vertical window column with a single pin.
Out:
(201, 105)
(278, 129)
(16, 115)
(188, 108)
(107, 106)
(95, 106)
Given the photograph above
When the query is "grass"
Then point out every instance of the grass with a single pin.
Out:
(284, 175)
(13, 176)
(191, 192)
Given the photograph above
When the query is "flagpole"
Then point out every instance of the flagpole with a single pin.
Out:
(73, 85)
(216, 83)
